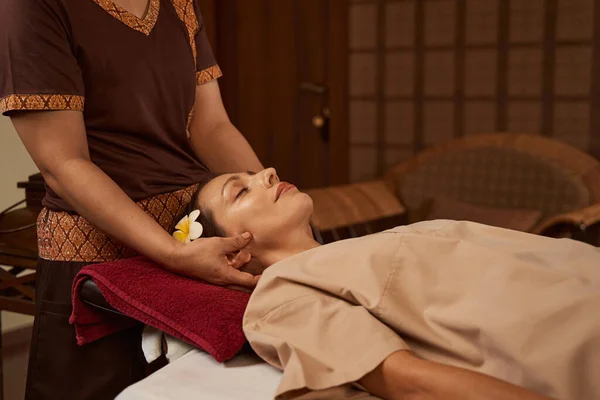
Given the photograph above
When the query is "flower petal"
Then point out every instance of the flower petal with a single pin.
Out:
(196, 230)
(183, 225)
(181, 236)
(194, 215)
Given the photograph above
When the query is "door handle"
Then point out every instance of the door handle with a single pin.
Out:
(321, 119)
(321, 122)
(314, 87)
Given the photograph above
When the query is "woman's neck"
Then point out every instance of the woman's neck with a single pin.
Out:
(289, 246)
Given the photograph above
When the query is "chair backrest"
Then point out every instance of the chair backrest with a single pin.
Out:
(354, 210)
(500, 170)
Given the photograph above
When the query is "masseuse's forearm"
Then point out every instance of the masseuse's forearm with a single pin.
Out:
(101, 201)
(224, 149)
(405, 376)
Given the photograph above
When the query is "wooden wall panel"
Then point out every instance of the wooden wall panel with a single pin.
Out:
(337, 77)
(253, 82)
(282, 88)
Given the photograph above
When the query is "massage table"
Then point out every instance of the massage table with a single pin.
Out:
(196, 375)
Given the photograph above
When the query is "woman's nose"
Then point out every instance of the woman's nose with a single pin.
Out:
(270, 177)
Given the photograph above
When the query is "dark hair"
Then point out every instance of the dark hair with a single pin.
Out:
(206, 218)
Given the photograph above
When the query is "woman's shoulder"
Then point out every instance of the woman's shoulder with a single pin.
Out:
(341, 252)
(383, 239)
(381, 246)
(332, 269)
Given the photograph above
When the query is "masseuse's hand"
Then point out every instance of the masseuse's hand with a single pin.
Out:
(215, 260)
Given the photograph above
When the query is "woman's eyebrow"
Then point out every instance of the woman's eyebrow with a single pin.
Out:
(231, 179)
(251, 173)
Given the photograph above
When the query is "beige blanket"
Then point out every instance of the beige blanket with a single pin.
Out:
(519, 307)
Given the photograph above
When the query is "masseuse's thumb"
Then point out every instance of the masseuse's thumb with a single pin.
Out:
(236, 243)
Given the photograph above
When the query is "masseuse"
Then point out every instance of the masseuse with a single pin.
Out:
(118, 105)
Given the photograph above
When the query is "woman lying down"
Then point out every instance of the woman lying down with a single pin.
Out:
(435, 310)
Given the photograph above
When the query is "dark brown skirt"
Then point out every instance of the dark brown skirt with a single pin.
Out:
(58, 367)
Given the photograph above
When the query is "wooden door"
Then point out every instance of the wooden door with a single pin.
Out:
(285, 83)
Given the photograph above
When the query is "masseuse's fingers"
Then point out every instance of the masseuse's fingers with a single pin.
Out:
(236, 277)
(239, 259)
(235, 243)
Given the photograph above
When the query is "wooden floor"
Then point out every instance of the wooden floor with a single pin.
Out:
(16, 352)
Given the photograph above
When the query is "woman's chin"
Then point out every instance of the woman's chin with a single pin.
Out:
(306, 200)
(298, 202)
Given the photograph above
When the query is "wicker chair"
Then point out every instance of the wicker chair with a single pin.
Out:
(524, 182)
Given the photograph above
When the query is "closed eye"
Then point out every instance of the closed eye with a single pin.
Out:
(241, 192)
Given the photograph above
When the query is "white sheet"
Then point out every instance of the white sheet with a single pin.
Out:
(196, 375)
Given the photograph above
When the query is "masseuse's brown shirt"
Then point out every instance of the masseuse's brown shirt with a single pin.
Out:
(133, 78)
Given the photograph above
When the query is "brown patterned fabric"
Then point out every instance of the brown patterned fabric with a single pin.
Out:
(509, 218)
(39, 102)
(143, 25)
(69, 237)
(208, 74)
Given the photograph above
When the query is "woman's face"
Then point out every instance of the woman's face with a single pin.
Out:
(256, 203)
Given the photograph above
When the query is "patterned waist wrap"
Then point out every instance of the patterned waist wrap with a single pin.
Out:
(64, 236)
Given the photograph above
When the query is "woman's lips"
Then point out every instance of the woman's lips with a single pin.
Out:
(282, 188)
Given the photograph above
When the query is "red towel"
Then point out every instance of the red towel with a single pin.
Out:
(207, 316)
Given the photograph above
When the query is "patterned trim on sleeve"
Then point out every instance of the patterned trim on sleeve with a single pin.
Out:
(208, 74)
(36, 102)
